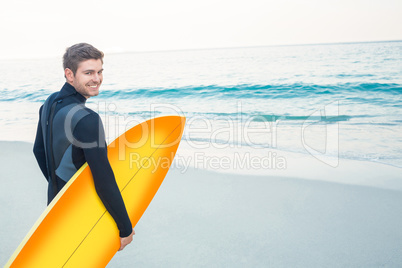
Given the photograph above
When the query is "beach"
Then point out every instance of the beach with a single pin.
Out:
(203, 218)
(291, 156)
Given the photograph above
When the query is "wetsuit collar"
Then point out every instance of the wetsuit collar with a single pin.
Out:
(68, 90)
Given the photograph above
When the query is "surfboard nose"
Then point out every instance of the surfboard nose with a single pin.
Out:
(159, 131)
(166, 131)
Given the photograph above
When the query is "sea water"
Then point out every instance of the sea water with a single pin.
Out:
(336, 100)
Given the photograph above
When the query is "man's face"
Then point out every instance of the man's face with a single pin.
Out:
(88, 78)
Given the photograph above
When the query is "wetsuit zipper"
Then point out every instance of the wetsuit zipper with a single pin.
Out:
(52, 168)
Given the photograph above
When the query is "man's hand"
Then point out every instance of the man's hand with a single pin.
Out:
(124, 241)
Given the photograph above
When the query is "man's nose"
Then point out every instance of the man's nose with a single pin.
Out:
(96, 77)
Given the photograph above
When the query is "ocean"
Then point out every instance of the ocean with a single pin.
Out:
(333, 100)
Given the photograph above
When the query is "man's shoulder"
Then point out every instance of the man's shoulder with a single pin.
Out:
(90, 124)
(51, 97)
(91, 117)
(91, 113)
(45, 108)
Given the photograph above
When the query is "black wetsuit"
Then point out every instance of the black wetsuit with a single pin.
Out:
(70, 134)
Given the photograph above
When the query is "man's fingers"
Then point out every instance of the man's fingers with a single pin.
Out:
(124, 241)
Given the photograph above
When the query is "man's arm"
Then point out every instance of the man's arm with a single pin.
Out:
(90, 130)
(39, 147)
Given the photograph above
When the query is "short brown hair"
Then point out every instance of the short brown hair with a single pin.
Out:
(78, 53)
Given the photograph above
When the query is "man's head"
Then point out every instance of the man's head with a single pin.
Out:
(83, 68)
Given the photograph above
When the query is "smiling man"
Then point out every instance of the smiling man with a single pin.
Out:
(70, 134)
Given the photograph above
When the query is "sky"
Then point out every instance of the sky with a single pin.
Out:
(44, 28)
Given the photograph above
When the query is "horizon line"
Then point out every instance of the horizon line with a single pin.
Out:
(213, 48)
(257, 46)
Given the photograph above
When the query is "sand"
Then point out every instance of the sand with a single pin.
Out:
(202, 218)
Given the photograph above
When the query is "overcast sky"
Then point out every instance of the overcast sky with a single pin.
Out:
(46, 27)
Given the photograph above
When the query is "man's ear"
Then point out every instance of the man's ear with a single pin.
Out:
(69, 75)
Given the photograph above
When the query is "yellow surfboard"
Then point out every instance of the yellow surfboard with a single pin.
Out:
(76, 230)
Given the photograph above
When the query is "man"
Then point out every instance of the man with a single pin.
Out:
(70, 134)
